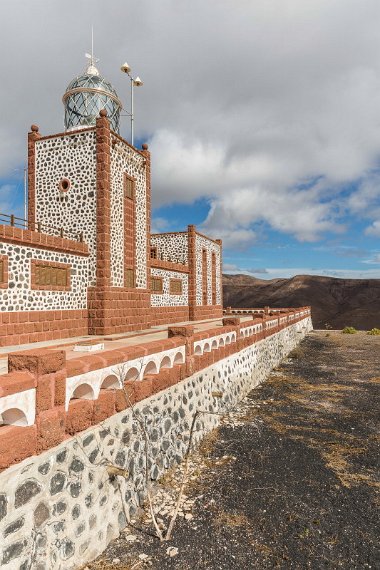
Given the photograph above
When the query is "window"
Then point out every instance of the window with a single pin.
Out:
(50, 276)
(3, 272)
(213, 277)
(129, 187)
(156, 285)
(204, 277)
(64, 185)
(153, 253)
(175, 287)
(129, 278)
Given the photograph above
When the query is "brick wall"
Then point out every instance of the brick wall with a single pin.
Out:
(23, 327)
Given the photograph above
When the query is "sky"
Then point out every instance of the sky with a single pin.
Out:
(262, 117)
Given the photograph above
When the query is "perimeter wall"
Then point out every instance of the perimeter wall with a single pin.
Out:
(60, 509)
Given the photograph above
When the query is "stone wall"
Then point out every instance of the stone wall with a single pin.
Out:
(171, 246)
(63, 508)
(20, 294)
(204, 243)
(31, 313)
(126, 160)
(166, 299)
(71, 157)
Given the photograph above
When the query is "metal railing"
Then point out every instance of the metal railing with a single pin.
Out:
(16, 222)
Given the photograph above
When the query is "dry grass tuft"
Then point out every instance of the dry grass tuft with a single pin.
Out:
(207, 445)
(296, 353)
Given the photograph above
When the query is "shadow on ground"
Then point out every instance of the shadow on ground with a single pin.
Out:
(300, 485)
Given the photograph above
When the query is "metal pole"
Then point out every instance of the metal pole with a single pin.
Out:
(131, 111)
(25, 197)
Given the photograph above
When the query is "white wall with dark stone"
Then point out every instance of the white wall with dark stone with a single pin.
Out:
(124, 159)
(172, 246)
(73, 157)
(19, 296)
(203, 243)
(165, 299)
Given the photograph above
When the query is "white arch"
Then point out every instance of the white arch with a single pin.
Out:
(14, 417)
(110, 382)
(214, 344)
(198, 350)
(132, 374)
(221, 341)
(228, 340)
(151, 368)
(83, 392)
(179, 358)
(166, 362)
(24, 402)
(206, 347)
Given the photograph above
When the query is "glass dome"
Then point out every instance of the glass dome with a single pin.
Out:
(86, 96)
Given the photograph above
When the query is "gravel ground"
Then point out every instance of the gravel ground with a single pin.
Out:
(291, 480)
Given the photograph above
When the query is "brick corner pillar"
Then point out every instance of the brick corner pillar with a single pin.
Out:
(103, 201)
(187, 332)
(49, 370)
(97, 294)
(220, 244)
(192, 255)
(33, 136)
(146, 154)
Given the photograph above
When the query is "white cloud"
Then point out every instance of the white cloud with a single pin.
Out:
(374, 229)
(242, 101)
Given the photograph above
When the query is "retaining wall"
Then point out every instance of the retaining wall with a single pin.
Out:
(61, 508)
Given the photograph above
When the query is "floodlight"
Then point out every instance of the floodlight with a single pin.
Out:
(125, 68)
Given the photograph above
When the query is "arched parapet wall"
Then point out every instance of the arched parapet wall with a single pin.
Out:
(38, 379)
(113, 377)
(213, 342)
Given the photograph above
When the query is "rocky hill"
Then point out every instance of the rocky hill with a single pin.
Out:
(336, 302)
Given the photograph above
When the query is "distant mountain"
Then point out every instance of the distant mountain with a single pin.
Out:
(337, 302)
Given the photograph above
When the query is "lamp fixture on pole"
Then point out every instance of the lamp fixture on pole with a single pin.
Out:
(135, 82)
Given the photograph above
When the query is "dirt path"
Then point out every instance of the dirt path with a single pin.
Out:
(292, 480)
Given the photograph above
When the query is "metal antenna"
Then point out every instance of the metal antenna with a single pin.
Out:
(92, 44)
(90, 56)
